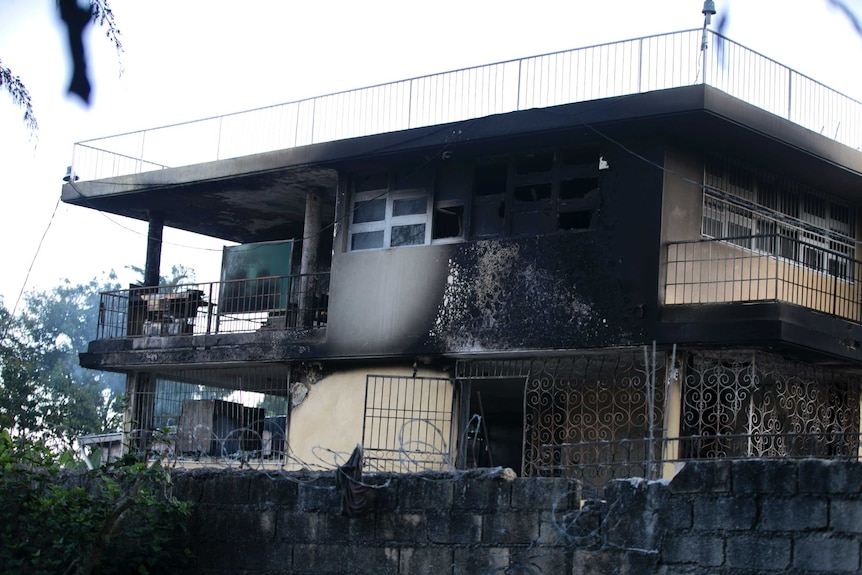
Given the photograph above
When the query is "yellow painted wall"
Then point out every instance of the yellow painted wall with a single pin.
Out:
(327, 425)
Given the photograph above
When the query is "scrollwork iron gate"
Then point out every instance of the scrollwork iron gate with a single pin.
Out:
(594, 417)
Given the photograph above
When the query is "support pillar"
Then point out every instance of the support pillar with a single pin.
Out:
(672, 417)
(138, 419)
(309, 300)
(154, 248)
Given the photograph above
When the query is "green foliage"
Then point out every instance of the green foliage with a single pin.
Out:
(118, 519)
(179, 274)
(43, 390)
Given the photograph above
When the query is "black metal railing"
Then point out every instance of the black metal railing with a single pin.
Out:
(769, 267)
(270, 303)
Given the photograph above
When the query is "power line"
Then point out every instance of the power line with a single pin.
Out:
(30, 269)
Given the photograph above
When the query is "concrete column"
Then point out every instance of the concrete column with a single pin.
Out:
(308, 263)
(154, 248)
(672, 418)
(138, 419)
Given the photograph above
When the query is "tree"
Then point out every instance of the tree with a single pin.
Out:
(76, 20)
(43, 390)
(179, 274)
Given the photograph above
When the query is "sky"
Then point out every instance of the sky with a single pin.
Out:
(191, 59)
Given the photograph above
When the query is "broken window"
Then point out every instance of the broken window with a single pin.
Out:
(448, 222)
(537, 193)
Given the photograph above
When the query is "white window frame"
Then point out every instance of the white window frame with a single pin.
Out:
(389, 220)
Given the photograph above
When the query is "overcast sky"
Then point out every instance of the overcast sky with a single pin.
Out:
(191, 59)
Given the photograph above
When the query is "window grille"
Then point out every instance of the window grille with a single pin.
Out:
(407, 424)
(221, 417)
(764, 212)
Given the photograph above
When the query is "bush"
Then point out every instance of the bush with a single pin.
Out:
(118, 519)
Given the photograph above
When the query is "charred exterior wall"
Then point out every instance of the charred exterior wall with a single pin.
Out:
(588, 286)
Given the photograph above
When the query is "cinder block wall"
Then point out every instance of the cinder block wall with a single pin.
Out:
(722, 518)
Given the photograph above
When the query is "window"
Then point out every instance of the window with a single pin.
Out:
(407, 423)
(448, 221)
(536, 193)
(761, 211)
(382, 219)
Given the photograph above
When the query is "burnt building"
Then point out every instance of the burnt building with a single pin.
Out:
(594, 263)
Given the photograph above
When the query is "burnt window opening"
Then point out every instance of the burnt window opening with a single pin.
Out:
(533, 193)
(578, 188)
(489, 219)
(580, 220)
(490, 179)
(448, 222)
(537, 193)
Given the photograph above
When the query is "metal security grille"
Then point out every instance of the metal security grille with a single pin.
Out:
(771, 214)
(213, 417)
(747, 404)
(407, 424)
(594, 417)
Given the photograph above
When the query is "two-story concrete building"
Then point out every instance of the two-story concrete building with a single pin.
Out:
(594, 263)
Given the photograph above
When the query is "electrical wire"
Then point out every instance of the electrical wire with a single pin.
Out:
(29, 271)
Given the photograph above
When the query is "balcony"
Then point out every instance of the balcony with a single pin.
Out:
(603, 71)
(294, 302)
(764, 268)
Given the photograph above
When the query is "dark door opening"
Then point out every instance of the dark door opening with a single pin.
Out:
(495, 429)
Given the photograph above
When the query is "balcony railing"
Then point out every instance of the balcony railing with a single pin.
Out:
(602, 71)
(237, 306)
(771, 267)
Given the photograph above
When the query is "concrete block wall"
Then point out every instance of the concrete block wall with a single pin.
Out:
(249, 522)
(716, 518)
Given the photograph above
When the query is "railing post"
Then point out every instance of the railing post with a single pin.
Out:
(218, 140)
(209, 309)
(640, 62)
(518, 100)
(777, 263)
(410, 105)
(834, 290)
(789, 93)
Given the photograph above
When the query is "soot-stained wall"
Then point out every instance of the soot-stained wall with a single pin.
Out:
(565, 290)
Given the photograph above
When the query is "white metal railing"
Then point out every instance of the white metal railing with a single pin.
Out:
(603, 71)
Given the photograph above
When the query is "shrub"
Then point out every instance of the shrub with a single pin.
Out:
(117, 519)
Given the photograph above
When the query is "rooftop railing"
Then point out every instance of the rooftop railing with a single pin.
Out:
(602, 71)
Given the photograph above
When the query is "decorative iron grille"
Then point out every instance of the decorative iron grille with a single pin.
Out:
(600, 416)
(750, 404)
(594, 417)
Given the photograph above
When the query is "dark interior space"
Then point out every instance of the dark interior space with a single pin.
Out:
(496, 429)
